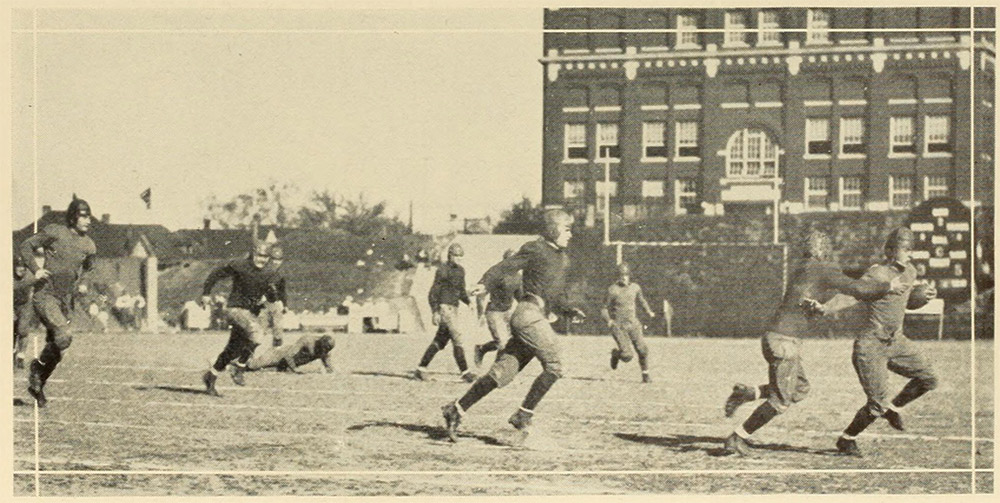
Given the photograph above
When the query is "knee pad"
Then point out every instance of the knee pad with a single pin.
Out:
(625, 357)
(555, 368)
(643, 351)
(874, 408)
(504, 370)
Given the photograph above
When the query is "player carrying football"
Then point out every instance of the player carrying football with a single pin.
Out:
(816, 280)
(619, 313)
(882, 347)
(445, 294)
(544, 263)
(68, 253)
(252, 282)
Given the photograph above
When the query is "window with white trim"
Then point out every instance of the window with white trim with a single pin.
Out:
(900, 192)
(815, 193)
(751, 153)
(687, 139)
(818, 26)
(818, 137)
(687, 36)
(735, 26)
(902, 139)
(937, 134)
(575, 142)
(767, 28)
(572, 190)
(852, 136)
(605, 189)
(935, 186)
(607, 141)
(654, 140)
(850, 193)
(653, 189)
(685, 195)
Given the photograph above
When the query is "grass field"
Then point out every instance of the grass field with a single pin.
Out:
(127, 417)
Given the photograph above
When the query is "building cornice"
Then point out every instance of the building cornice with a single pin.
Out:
(792, 56)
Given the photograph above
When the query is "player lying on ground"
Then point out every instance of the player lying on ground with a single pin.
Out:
(252, 281)
(290, 357)
(881, 346)
(817, 279)
(69, 252)
(619, 313)
(445, 294)
(503, 293)
(544, 263)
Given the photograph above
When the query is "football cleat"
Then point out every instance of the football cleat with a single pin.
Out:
(737, 445)
(520, 420)
(741, 394)
(895, 420)
(646, 379)
(848, 447)
(451, 420)
(35, 383)
(469, 376)
(420, 375)
(236, 372)
(209, 379)
(615, 358)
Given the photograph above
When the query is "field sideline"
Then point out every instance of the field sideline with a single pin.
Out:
(127, 418)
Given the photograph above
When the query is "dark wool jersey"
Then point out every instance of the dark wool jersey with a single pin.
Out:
(67, 255)
(543, 266)
(819, 280)
(250, 285)
(303, 351)
(620, 303)
(448, 287)
(503, 291)
(884, 315)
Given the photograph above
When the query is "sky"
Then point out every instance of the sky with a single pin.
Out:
(442, 107)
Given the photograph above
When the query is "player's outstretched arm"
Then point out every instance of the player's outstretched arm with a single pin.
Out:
(643, 303)
(42, 239)
(872, 286)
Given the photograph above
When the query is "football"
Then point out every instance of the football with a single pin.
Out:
(918, 296)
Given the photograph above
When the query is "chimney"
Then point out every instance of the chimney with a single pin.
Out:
(46, 209)
(206, 223)
(106, 218)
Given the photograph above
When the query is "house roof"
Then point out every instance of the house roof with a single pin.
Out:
(115, 240)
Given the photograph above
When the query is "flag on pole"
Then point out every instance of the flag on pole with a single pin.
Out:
(147, 196)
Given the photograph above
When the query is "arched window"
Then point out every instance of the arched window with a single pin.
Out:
(750, 153)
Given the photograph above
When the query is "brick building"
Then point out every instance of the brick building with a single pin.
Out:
(712, 110)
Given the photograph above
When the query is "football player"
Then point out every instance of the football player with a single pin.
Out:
(619, 313)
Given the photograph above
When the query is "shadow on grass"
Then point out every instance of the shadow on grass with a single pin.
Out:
(585, 378)
(407, 376)
(175, 389)
(436, 433)
(688, 443)
(20, 402)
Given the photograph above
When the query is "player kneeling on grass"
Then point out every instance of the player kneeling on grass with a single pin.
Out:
(817, 279)
(290, 357)
(619, 313)
(881, 346)
(543, 263)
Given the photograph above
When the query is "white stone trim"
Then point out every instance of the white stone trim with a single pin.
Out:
(734, 105)
(654, 108)
(929, 101)
(845, 103)
(608, 108)
(902, 101)
(853, 41)
(817, 103)
(576, 51)
(608, 50)
(817, 157)
(687, 159)
(570, 110)
(877, 205)
(768, 104)
(654, 48)
(688, 106)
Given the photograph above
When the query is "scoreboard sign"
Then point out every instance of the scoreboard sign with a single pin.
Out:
(942, 250)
